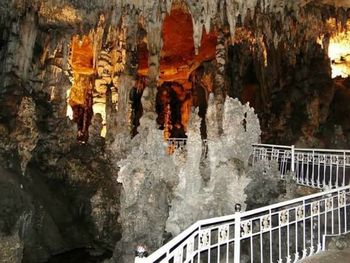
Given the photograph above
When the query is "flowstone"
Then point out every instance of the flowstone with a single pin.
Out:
(148, 176)
(164, 194)
(197, 197)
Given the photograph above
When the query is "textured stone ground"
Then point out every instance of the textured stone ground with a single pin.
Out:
(335, 256)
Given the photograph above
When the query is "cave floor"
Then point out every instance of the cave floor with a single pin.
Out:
(338, 256)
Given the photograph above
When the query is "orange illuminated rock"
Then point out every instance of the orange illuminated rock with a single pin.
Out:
(82, 55)
(77, 95)
(80, 96)
(178, 57)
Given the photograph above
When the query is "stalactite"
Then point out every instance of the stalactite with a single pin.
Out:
(97, 39)
(55, 77)
(20, 49)
(82, 111)
(111, 116)
(127, 79)
(27, 133)
(154, 45)
(167, 121)
(220, 83)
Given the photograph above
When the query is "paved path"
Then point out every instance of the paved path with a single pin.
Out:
(330, 256)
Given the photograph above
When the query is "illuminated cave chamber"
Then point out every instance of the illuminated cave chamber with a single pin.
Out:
(339, 48)
(131, 66)
(93, 84)
(267, 69)
(80, 94)
(185, 78)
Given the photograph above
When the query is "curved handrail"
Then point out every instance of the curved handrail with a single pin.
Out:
(242, 221)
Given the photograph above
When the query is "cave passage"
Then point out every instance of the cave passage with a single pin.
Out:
(339, 50)
(177, 93)
(91, 84)
(172, 109)
(80, 95)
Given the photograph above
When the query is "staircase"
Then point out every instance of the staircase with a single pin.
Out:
(289, 231)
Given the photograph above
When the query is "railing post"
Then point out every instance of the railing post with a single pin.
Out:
(237, 251)
(140, 254)
(293, 159)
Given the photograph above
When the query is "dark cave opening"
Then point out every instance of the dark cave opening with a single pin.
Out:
(200, 100)
(250, 87)
(135, 97)
(169, 107)
(79, 255)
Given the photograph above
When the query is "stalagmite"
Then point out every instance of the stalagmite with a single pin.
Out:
(220, 89)
(27, 133)
(127, 79)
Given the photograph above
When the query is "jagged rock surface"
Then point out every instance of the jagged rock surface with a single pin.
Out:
(170, 192)
(147, 175)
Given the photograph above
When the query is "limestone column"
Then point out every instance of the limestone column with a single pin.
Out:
(154, 36)
(219, 82)
(127, 79)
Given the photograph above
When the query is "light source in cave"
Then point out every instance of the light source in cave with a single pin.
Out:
(339, 54)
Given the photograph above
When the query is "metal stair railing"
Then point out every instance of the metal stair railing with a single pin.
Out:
(279, 153)
(284, 232)
(318, 168)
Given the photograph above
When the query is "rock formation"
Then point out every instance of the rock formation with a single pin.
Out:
(169, 192)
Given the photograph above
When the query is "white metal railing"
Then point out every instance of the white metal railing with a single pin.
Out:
(177, 143)
(283, 232)
(318, 168)
(280, 153)
(180, 144)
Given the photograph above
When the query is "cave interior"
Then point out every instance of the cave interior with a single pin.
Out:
(87, 87)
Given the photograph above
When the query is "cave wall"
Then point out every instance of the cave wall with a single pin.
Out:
(284, 71)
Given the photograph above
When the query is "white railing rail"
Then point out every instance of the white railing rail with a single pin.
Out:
(180, 144)
(280, 153)
(317, 168)
(177, 143)
(283, 232)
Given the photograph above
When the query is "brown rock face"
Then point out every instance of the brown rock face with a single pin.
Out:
(178, 59)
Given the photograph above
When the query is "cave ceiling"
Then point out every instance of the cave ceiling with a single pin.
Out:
(178, 58)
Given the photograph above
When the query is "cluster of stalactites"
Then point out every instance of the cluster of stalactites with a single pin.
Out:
(204, 13)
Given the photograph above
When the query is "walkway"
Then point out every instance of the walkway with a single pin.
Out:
(330, 256)
(285, 232)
